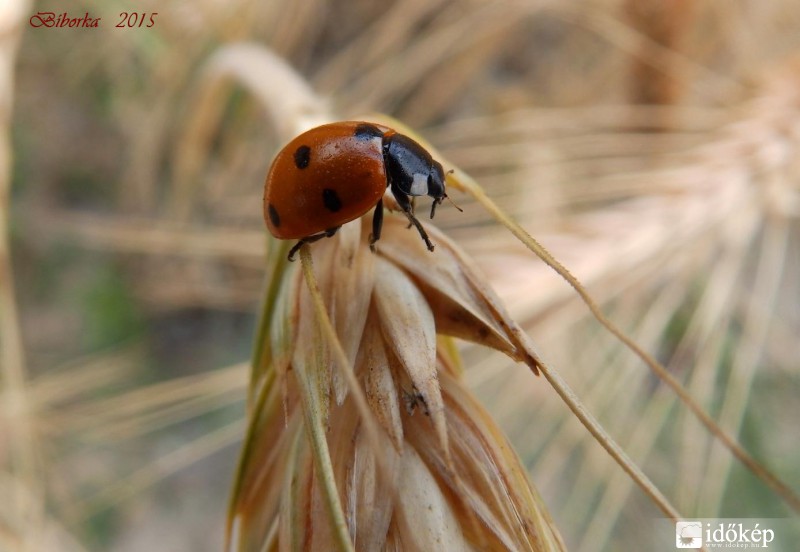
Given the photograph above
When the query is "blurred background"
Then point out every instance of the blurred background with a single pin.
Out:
(651, 146)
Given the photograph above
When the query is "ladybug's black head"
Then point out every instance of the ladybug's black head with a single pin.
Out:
(436, 185)
(412, 171)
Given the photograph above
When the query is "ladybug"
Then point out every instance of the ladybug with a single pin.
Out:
(335, 173)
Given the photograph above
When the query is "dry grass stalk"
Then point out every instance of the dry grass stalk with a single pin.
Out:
(22, 516)
(666, 24)
(438, 472)
(89, 401)
(717, 198)
(727, 440)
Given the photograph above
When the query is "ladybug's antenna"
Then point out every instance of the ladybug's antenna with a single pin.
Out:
(453, 203)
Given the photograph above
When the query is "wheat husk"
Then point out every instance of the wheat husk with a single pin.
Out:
(439, 475)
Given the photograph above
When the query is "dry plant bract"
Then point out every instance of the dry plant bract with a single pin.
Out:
(362, 435)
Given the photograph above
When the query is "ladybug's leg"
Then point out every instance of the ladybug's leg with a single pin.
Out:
(311, 239)
(413, 203)
(405, 204)
(436, 201)
(377, 225)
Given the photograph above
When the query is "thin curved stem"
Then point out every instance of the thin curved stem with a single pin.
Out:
(465, 183)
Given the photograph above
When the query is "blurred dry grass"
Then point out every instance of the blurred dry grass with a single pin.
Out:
(137, 245)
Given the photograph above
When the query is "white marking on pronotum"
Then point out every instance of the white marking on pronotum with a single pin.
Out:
(419, 187)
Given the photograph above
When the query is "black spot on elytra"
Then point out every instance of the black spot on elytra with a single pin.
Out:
(331, 200)
(302, 156)
(274, 217)
(366, 131)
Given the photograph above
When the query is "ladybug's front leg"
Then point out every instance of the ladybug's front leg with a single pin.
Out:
(405, 204)
(377, 225)
(311, 239)
(413, 203)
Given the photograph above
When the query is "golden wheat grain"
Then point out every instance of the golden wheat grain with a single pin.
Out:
(437, 474)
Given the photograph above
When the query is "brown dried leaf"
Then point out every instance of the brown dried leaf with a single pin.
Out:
(425, 519)
(354, 269)
(491, 480)
(371, 495)
(283, 330)
(408, 327)
(313, 358)
(382, 393)
(269, 444)
(298, 479)
(463, 307)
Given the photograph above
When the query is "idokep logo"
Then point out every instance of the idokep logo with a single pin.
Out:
(689, 534)
(723, 533)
